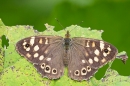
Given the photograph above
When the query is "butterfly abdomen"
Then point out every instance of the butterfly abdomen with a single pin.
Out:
(66, 47)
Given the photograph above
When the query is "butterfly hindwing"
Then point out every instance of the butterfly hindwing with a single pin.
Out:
(52, 66)
(78, 67)
(42, 52)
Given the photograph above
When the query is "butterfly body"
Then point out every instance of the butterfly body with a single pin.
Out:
(49, 55)
(67, 41)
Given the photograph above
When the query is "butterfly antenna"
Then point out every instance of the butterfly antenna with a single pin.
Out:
(76, 25)
(60, 23)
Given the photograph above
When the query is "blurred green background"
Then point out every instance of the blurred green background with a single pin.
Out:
(112, 16)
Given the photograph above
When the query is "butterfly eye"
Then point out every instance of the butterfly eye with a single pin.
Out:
(27, 45)
(106, 50)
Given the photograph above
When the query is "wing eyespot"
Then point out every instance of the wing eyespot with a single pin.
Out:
(27, 45)
(106, 50)
(43, 65)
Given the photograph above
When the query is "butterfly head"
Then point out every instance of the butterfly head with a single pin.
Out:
(67, 35)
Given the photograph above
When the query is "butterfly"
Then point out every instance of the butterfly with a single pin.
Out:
(50, 54)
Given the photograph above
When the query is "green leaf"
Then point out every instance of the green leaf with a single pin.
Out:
(1, 56)
(17, 71)
(112, 78)
(1, 23)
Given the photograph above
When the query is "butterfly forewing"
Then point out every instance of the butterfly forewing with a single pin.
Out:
(33, 47)
(96, 52)
(42, 52)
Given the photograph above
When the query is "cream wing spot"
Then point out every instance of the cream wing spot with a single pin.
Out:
(104, 54)
(96, 59)
(36, 55)
(87, 45)
(40, 41)
(61, 71)
(32, 40)
(96, 52)
(48, 59)
(28, 49)
(86, 53)
(36, 48)
(41, 57)
(90, 61)
(46, 51)
(101, 45)
(24, 43)
(46, 42)
(28, 55)
(24, 47)
(109, 48)
(83, 61)
(103, 60)
(93, 44)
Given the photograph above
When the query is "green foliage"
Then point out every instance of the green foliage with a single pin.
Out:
(1, 56)
(18, 71)
(113, 16)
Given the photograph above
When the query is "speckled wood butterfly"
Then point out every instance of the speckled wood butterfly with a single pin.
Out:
(50, 54)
